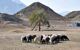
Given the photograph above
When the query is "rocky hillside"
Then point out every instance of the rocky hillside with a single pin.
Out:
(7, 17)
(10, 22)
(22, 17)
(50, 14)
(74, 15)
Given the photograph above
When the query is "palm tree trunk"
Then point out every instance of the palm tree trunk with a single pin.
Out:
(34, 26)
(39, 26)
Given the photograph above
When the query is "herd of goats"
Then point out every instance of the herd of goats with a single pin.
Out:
(44, 39)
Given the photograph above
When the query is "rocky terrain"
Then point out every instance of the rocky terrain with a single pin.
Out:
(22, 17)
(73, 16)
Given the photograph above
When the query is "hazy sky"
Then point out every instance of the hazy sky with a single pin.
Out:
(10, 6)
(59, 6)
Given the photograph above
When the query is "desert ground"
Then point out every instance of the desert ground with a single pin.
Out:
(10, 40)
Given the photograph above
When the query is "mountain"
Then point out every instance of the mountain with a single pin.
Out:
(10, 6)
(21, 18)
(50, 14)
(74, 15)
(11, 18)
(8, 21)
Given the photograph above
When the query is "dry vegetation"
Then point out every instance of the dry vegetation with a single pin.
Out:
(11, 41)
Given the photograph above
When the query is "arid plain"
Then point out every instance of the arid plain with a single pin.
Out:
(10, 40)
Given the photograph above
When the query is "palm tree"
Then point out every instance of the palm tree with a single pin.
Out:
(38, 18)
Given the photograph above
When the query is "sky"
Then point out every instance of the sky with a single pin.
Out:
(11, 6)
(59, 6)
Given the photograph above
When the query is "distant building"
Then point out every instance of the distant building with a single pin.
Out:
(74, 24)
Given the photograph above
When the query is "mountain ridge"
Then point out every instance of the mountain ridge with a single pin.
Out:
(74, 15)
(8, 17)
(34, 6)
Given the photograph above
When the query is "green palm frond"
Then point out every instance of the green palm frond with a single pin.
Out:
(38, 17)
